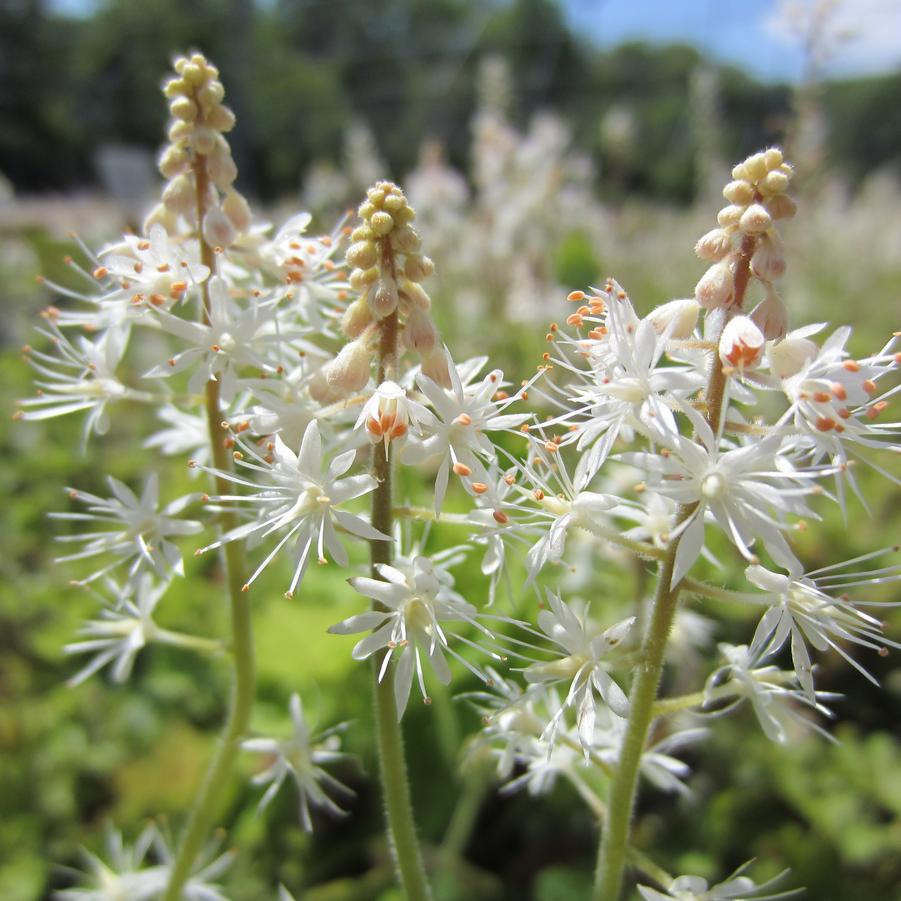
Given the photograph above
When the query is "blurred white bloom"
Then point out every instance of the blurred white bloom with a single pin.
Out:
(187, 434)
(735, 888)
(301, 756)
(137, 532)
(417, 602)
(299, 495)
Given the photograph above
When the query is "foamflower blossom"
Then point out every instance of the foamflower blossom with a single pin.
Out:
(298, 495)
(736, 888)
(136, 531)
(417, 603)
(302, 757)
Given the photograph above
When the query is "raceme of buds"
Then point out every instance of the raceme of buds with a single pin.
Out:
(198, 154)
(756, 197)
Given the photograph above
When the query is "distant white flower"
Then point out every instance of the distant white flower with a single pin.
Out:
(187, 434)
(417, 603)
(735, 888)
(584, 665)
(208, 866)
(301, 756)
(137, 531)
(298, 495)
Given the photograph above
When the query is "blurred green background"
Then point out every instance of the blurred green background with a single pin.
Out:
(326, 90)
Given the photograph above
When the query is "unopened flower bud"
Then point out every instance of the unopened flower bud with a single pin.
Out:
(211, 94)
(381, 222)
(771, 316)
(173, 161)
(355, 319)
(434, 366)
(678, 317)
(739, 192)
(418, 267)
(221, 118)
(755, 220)
(160, 215)
(781, 206)
(768, 261)
(772, 158)
(349, 371)
(729, 215)
(178, 195)
(383, 299)
(221, 166)
(790, 355)
(321, 391)
(203, 140)
(406, 239)
(755, 166)
(360, 278)
(362, 233)
(741, 344)
(717, 286)
(420, 334)
(416, 294)
(740, 172)
(179, 131)
(589, 507)
(218, 230)
(774, 183)
(236, 207)
(362, 254)
(183, 108)
(715, 245)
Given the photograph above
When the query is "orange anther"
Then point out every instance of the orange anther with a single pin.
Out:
(500, 517)
(461, 469)
(479, 487)
(576, 296)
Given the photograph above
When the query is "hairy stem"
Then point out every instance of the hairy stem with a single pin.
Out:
(392, 762)
(612, 852)
(208, 802)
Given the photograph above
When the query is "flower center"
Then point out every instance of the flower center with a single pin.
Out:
(713, 486)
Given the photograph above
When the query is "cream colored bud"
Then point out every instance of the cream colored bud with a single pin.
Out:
(183, 108)
(321, 391)
(179, 195)
(729, 215)
(159, 215)
(356, 318)
(405, 215)
(349, 371)
(394, 202)
(717, 286)
(772, 158)
(417, 267)
(179, 64)
(375, 196)
(173, 161)
(363, 254)
(382, 298)
(768, 261)
(740, 172)
(236, 207)
(678, 316)
(174, 87)
(771, 316)
(420, 334)
(218, 230)
(739, 192)
(221, 166)
(434, 366)
(416, 294)
(180, 131)
(381, 223)
(781, 206)
(366, 210)
(211, 94)
(715, 245)
(221, 118)
(406, 239)
(193, 74)
(755, 220)
(362, 233)
(774, 183)
(755, 166)
(741, 344)
(203, 140)
(360, 278)
(790, 355)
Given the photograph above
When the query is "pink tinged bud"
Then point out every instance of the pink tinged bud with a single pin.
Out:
(781, 206)
(741, 344)
(420, 334)
(717, 286)
(221, 166)
(790, 355)
(355, 319)
(755, 220)
(730, 215)
(771, 316)
(382, 299)
(434, 365)
(715, 245)
(768, 261)
(203, 140)
(739, 192)
(238, 210)
(221, 118)
(178, 195)
(349, 371)
(680, 316)
(363, 254)
(218, 230)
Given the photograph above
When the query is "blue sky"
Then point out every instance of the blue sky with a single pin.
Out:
(864, 35)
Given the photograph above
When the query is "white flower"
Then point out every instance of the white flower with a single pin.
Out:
(389, 413)
(735, 888)
(208, 866)
(299, 496)
(746, 490)
(187, 434)
(416, 602)
(584, 665)
(137, 532)
(803, 611)
(464, 413)
(301, 756)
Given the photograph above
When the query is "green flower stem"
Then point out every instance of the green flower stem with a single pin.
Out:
(612, 853)
(392, 762)
(208, 802)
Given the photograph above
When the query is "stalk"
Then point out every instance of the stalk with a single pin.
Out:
(208, 802)
(613, 848)
(402, 836)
